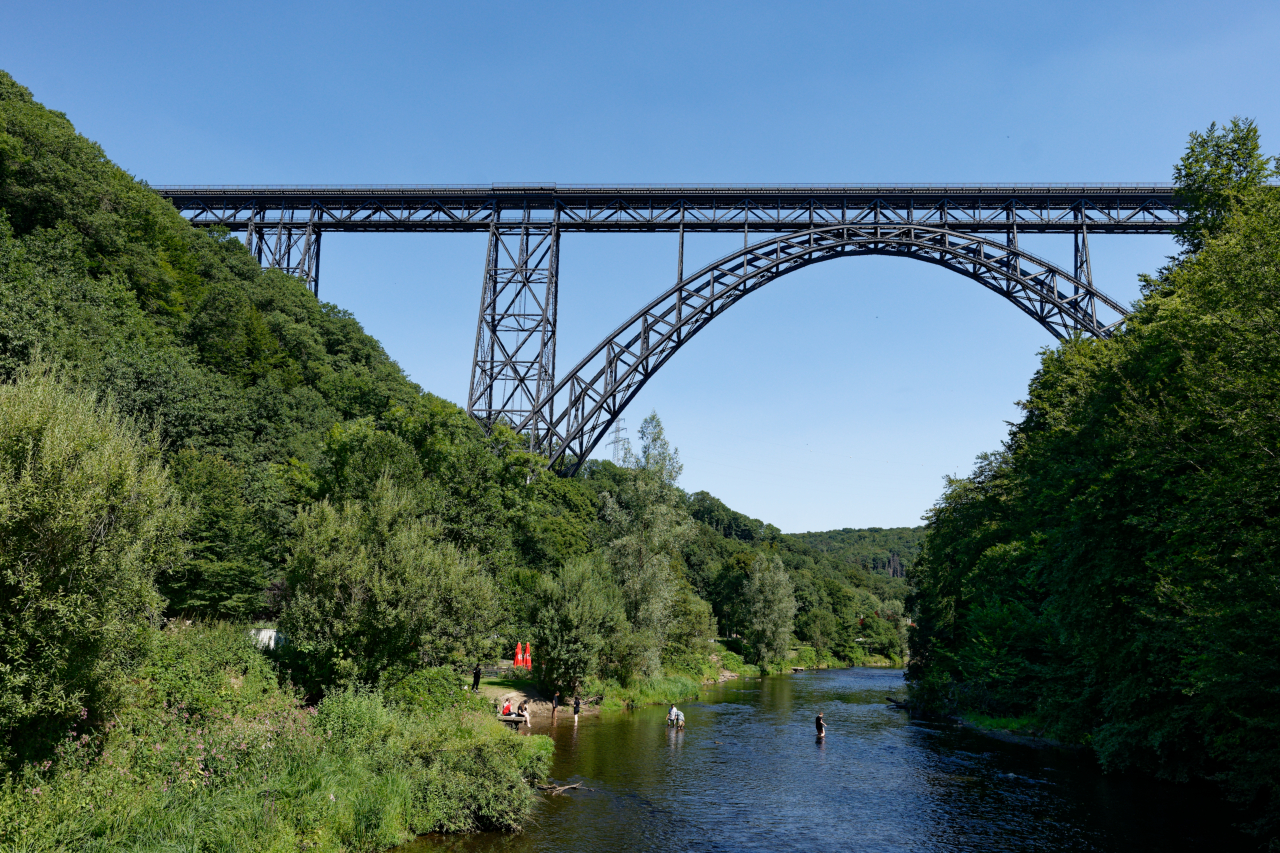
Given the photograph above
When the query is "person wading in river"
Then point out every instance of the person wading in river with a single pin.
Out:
(820, 725)
(555, 703)
(577, 706)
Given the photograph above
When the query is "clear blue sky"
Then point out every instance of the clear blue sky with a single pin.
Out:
(837, 397)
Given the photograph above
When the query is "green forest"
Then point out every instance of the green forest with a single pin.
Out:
(889, 551)
(191, 447)
(1110, 576)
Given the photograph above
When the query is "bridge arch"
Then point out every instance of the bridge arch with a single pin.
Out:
(569, 423)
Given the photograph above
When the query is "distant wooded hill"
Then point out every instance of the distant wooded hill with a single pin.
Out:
(888, 551)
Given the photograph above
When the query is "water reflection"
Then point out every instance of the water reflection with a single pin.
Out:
(748, 773)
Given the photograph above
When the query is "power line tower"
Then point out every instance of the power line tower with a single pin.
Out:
(619, 441)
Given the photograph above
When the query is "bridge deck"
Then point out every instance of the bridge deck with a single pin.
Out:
(1044, 208)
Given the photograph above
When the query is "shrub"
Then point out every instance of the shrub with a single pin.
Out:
(87, 515)
(206, 752)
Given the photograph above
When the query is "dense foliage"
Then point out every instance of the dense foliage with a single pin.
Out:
(890, 551)
(206, 752)
(187, 440)
(1113, 571)
(87, 516)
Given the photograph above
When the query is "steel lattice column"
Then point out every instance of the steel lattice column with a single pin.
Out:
(291, 244)
(514, 366)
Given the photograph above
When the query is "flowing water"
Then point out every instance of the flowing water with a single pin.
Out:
(748, 773)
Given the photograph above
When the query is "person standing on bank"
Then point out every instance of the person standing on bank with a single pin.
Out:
(475, 678)
(820, 725)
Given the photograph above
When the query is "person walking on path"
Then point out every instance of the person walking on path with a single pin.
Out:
(820, 725)
(475, 678)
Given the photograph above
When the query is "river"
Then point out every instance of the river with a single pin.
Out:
(749, 774)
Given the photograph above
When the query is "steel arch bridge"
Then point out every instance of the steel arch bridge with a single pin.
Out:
(513, 376)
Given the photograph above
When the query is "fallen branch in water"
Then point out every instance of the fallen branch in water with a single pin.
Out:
(558, 789)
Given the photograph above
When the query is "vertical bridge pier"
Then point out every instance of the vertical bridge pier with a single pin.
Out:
(513, 375)
(514, 365)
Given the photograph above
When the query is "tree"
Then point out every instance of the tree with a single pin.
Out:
(578, 609)
(690, 632)
(357, 455)
(771, 608)
(648, 525)
(87, 517)
(1114, 571)
(224, 574)
(371, 589)
(1219, 173)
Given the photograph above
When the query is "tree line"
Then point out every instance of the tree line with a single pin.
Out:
(1110, 573)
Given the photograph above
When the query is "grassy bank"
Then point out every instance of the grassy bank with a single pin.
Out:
(681, 685)
(204, 749)
(659, 690)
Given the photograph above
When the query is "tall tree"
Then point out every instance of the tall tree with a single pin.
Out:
(648, 522)
(1222, 169)
(771, 608)
(578, 609)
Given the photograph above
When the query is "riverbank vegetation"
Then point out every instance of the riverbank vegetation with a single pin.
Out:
(191, 446)
(1111, 572)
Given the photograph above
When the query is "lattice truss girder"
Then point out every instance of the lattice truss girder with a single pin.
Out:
(581, 406)
(514, 365)
(1103, 209)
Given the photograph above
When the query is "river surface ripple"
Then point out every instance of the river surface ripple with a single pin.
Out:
(749, 774)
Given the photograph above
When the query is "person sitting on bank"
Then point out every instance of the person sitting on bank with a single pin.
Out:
(523, 711)
(506, 708)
